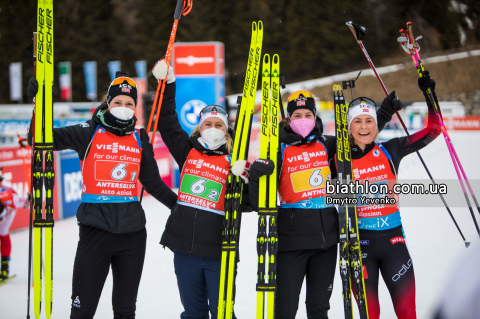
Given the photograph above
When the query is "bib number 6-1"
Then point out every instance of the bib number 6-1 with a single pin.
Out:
(316, 179)
(119, 172)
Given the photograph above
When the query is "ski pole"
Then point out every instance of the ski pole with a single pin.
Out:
(22, 146)
(359, 32)
(183, 8)
(453, 154)
(30, 221)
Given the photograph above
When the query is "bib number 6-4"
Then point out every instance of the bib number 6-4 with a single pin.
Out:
(316, 179)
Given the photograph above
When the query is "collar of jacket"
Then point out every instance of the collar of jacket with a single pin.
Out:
(287, 136)
(100, 118)
(357, 152)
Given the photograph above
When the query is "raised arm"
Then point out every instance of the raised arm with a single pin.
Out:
(150, 176)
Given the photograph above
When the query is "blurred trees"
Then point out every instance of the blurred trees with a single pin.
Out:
(310, 35)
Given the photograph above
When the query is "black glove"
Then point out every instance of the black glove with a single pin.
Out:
(391, 103)
(261, 168)
(426, 82)
(32, 88)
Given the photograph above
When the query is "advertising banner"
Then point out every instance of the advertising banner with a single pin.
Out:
(199, 70)
(90, 71)
(16, 81)
(15, 176)
(113, 67)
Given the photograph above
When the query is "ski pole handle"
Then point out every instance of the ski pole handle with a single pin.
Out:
(183, 8)
(178, 10)
(351, 27)
(410, 34)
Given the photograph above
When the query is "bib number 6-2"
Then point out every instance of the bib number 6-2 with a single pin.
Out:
(198, 187)
(316, 179)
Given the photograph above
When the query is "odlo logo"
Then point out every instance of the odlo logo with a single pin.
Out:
(76, 302)
(403, 270)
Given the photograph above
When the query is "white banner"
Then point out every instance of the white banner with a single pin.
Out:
(16, 81)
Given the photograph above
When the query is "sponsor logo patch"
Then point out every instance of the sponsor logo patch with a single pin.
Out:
(398, 239)
(364, 242)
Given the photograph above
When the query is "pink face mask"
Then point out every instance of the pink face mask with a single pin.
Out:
(302, 126)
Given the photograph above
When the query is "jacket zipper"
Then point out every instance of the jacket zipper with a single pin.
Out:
(291, 218)
(323, 232)
(193, 233)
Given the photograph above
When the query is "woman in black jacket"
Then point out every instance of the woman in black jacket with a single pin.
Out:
(114, 156)
(307, 226)
(194, 229)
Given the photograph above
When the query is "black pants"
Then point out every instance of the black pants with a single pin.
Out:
(318, 267)
(97, 250)
(387, 252)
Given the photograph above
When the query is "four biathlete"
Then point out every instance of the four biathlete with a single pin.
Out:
(112, 222)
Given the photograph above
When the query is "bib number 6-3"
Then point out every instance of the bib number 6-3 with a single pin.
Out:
(316, 179)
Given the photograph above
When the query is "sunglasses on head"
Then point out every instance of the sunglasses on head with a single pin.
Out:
(213, 108)
(361, 100)
(296, 95)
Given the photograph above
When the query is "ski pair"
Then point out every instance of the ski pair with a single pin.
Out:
(410, 45)
(267, 196)
(233, 194)
(350, 253)
(42, 162)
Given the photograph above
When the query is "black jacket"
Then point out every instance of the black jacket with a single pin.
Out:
(300, 229)
(190, 230)
(114, 217)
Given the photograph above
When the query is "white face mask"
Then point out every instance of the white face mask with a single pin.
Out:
(213, 138)
(122, 113)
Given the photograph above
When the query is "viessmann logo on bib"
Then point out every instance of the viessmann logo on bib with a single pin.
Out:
(192, 60)
(115, 147)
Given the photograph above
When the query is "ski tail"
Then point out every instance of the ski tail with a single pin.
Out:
(355, 253)
(233, 195)
(272, 187)
(262, 195)
(49, 174)
(344, 262)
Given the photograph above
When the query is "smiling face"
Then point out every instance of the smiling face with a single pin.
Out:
(302, 113)
(213, 122)
(363, 129)
(122, 100)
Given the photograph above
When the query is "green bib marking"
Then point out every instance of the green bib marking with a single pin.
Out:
(201, 187)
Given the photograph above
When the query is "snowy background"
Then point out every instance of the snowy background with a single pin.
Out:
(432, 238)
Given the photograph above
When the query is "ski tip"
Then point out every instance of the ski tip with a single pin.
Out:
(260, 25)
(276, 59)
(349, 23)
(266, 58)
(254, 26)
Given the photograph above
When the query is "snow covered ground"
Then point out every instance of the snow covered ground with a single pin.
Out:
(432, 239)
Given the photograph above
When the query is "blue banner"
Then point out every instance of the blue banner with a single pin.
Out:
(188, 107)
(90, 71)
(71, 179)
(141, 69)
(113, 67)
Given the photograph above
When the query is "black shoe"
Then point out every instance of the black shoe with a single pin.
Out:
(5, 269)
